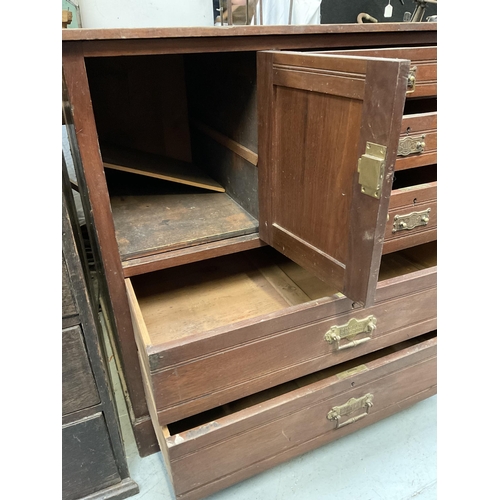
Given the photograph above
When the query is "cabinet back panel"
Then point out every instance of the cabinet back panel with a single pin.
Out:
(140, 103)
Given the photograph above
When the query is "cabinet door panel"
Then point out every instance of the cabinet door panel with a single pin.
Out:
(316, 115)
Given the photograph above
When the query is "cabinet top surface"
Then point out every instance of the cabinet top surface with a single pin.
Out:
(83, 34)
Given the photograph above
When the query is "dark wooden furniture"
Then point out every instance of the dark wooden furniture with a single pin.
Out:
(93, 458)
(306, 291)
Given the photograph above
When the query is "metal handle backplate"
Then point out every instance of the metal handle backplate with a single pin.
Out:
(349, 331)
(353, 405)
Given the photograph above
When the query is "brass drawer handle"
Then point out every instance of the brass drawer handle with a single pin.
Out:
(410, 221)
(354, 404)
(410, 145)
(350, 330)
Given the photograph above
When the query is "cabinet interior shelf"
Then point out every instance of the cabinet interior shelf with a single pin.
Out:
(153, 217)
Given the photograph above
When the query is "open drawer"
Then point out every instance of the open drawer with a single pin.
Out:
(216, 449)
(215, 331)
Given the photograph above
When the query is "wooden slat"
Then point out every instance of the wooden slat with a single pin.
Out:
(173, 258)
(234, 146)
(158, 167)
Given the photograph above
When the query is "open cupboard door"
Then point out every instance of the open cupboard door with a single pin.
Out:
(328, 136)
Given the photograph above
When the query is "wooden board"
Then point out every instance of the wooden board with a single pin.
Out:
(79, 389)
(200, 297)
(88, 463)
(159, 167)
(150, 219)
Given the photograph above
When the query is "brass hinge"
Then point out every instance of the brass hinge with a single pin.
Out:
(371, 167)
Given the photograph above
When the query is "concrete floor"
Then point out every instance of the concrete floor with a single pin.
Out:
(394, 459)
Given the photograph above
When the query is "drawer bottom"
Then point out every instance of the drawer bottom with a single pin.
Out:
(218, 448)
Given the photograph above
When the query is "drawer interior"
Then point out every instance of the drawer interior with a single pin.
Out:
(268, 394)
(203, 296)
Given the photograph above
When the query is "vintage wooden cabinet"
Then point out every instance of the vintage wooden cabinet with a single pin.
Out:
(93, 456)
(264, 202)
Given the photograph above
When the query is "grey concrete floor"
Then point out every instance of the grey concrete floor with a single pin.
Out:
(394, 459)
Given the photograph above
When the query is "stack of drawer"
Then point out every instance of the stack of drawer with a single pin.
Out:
(254, 347)
(252, 352)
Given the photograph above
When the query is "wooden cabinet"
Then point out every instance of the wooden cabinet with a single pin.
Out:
(93, 456)
(264, 202)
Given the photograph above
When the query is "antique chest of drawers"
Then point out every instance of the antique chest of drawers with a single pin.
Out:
(94, 464)
(264, 203)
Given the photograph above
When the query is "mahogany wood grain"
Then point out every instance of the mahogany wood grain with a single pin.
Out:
(323, 112)
(284, 456)
(235, 32)
(105, 43)
(92, 182)
(403, 274)
(243, 367)
(424, 59)
(382, 114)
(173, 258)
(278, 429)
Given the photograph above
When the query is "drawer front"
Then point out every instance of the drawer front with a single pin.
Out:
(258, 437)
(412, 218)
(423, 67)
(79, 389)
(189, 378)
(417, 141)
(88, 462)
